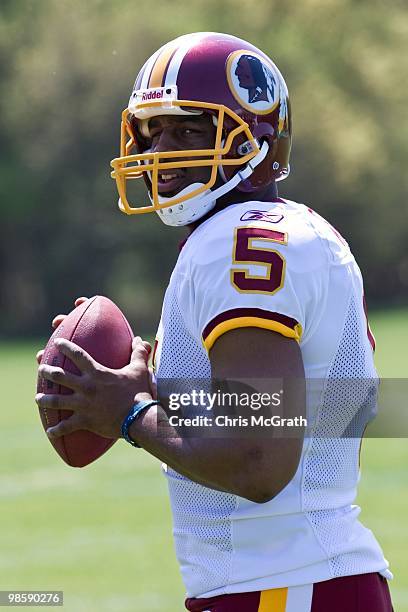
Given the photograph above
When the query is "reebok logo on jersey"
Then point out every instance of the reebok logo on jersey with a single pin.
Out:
(261, 215)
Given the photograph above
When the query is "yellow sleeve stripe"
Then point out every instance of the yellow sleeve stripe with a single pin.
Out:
(225, 326)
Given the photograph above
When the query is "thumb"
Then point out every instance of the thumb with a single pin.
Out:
(140, 350)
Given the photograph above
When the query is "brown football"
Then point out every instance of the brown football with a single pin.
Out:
(99, 327)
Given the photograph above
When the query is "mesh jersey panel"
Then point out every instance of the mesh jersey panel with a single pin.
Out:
(332, 462)
(181, 356)
(201, 516)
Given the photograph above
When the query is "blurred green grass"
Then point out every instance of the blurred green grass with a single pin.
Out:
(103, 534)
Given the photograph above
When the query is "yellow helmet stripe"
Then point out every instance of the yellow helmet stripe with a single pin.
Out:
(160, 66)
(147, 69)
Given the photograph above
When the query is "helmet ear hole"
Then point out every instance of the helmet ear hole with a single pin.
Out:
(263, 174)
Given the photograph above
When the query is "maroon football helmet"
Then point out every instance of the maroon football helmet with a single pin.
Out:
(246, 95)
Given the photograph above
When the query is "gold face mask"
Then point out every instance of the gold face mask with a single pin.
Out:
(133, 166)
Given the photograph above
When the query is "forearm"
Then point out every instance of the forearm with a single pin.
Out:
(232, 465)
(205, 461)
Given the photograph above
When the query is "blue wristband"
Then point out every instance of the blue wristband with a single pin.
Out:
(133, 414)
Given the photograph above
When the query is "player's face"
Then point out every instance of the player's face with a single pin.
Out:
(174, 133)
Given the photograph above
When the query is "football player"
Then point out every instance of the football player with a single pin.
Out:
(264, 289)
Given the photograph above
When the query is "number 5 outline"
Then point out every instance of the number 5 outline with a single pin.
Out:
(244, 252)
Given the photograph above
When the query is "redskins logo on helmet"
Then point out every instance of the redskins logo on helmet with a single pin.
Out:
(245, 95)
(253, 82)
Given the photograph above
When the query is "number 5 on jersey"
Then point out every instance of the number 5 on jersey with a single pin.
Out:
(252, 246)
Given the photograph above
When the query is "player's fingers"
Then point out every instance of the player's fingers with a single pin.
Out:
(60, 377)
(57, 320)
(76, 354)
(39, 355)
(80, 301)
(60, 317)
(67, 426)
(57, 402)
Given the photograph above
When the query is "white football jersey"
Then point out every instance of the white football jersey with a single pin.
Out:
(282, 267)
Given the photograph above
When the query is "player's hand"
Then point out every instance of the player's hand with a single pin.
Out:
(57, 321)
(101, 397)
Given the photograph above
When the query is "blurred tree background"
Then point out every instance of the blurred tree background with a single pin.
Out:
(66, 71)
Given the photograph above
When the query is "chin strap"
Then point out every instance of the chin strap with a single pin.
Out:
(237, 178)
